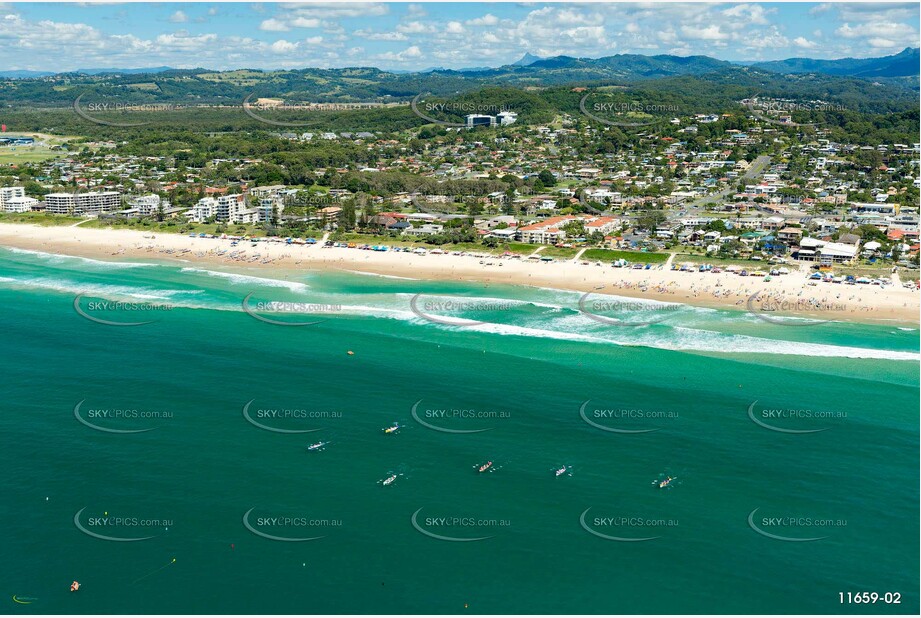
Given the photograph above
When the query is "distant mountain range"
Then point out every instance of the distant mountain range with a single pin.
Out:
(881, 84)
(903, 64)
(28, 74)
(622, 66)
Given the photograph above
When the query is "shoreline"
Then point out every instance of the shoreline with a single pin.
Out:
(871, 304)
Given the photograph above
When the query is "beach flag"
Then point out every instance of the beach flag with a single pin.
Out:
(3, 128)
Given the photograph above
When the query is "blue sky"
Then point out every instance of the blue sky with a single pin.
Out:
(408, 36)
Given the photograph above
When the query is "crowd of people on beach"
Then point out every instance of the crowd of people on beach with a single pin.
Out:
(651, 284)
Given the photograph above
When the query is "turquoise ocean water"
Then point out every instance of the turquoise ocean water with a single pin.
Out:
(182, 441)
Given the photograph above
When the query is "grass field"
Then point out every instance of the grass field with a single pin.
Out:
(681, 258)
(18, 155)
(37, 218)
(609, 255)
(559, 253)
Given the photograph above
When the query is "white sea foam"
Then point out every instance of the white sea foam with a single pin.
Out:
(58, 258)
(250, 280)
(367, 274)
(661, 336)
(98, 290)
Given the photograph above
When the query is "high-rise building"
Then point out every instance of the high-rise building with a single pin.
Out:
(90, 204)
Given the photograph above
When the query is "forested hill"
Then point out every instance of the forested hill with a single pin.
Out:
(203, 86)
(903, 64)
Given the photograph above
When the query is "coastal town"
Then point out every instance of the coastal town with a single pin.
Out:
(696, 193)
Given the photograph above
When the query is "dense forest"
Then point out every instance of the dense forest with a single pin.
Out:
(857, 111)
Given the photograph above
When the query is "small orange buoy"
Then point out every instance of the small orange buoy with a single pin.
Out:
(75, 586)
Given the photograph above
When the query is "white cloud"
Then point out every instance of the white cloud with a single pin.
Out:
(707, 33)
(332, 10)
(381, 36)
(182, 40)
(306, 22)
(804, 43)
(454, 27)
(410, 53)
(882, 43)
(416, 10)
(742, 15)
(178, 17)
(416, 27)
(487, 20)
(874, 29)
(274, 25)
(282, 46)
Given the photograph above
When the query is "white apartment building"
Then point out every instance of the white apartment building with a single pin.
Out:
(227, 206)
(8, 193)
(147, 205)
(60, 203)
(95, 203)
(90, 204)
(203, 210)
(21, 204)
(226, 209)
(269, 206)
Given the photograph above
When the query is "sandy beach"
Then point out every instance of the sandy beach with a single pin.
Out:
(793, 293)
